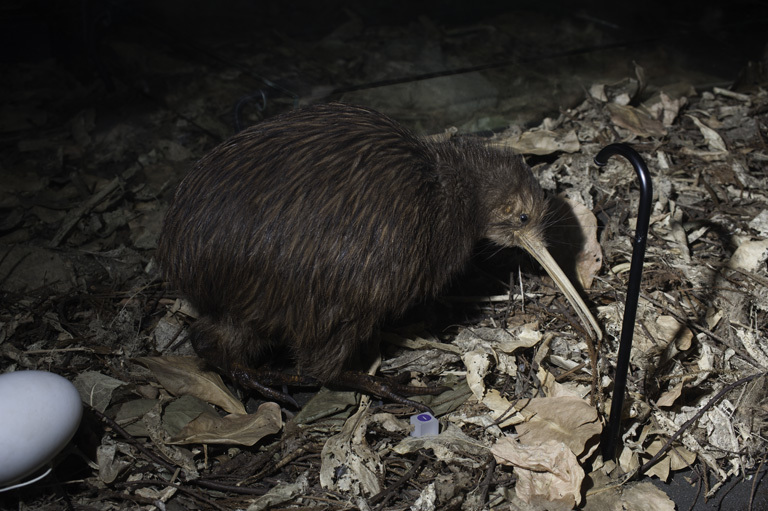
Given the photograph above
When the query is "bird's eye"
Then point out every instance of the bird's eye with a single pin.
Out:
(523, 218)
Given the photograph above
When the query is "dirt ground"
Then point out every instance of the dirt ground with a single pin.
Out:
(104, 107)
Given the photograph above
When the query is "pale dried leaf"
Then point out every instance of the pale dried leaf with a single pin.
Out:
(630, 497)
(646, 497)
(589, 260)
(426, 500)
(478, 363)
(417, 343)
(280, 493)
(348, 463)
(571, 421)
(679, 457)
(671, 330)
(553, 388)
(187, 375)
(96, 389)
(547, 471)
(541, 142)
(232, 429)
(110, 467)
(749, 255)
(636, 121)
(452, 444)
(669, 397)
(714, 140)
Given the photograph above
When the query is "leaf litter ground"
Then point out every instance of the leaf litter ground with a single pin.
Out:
(82, 296)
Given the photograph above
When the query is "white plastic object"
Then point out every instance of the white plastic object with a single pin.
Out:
(39, 414)
(424, 425)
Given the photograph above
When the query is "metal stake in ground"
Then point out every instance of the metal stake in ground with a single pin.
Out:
(611, 438)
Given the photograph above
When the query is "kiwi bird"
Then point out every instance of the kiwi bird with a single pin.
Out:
(310, 229)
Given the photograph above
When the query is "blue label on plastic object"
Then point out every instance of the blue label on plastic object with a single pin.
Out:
(424, 417)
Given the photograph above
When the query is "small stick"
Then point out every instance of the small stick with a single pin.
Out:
(696, 417)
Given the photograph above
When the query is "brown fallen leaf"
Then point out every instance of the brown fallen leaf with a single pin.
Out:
(569, 420)
(574, 234)
(636, 121)
(541, 142)
(348, 463)
(633, 496)
(233, 429)
(589, 260)
(549, 475)
(669, 397)
(187, 376)
(678, 458)
(714, 141)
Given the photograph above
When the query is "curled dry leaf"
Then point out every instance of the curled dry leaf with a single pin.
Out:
(541, 142)
(677, 458)
(633, 496)
(280, 493)
(714, 140)
(749, 255)
(187, 375)
(232, 429)
(636, 121)
(478, 364)
(669, 397)
(568, 420)
(590, 257)
(348, 462)
(450, 445)
(547, 473)
(553, 388)
(96, 389)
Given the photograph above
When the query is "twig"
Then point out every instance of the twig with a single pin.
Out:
(114, 425)
(411, 473)
(159, 482)
(693, 419)
(74, 216)
(486, 484)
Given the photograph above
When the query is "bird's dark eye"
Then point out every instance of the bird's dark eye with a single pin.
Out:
(523, 218)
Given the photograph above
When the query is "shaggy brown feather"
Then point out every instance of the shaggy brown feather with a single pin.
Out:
(309, 229)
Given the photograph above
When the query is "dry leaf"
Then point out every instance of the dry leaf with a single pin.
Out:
(450, 445)
(280, 493)
(553, 388)
(568, 420)
(232, 429)
(714, 140)
(348, 463)
(636, 121)
(547, 472)
(749, 255)
(478, 364)
(590, 257)
(574, 234)
(541, 142)
(187, 375)
(671, 330)
(669, 397)
(677, 458)
(631, 497)
(96, 389)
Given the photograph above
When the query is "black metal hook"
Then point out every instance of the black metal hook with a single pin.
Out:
(611, 438)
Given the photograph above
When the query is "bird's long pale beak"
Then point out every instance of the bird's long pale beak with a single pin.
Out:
(535, 246)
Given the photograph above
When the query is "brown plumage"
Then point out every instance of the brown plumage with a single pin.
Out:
(311, 228)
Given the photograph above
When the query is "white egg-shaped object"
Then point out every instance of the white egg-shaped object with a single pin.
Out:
(39, 414)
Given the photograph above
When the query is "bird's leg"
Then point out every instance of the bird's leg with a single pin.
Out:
(392, 389)
(207, 339)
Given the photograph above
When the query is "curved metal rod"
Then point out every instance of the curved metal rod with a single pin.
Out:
(612, 436)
